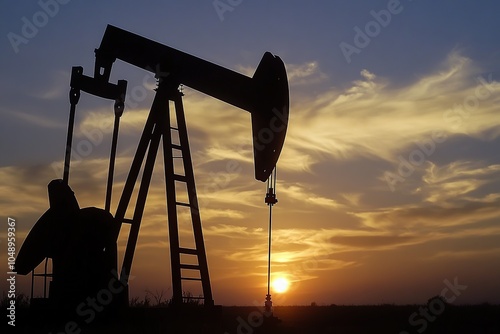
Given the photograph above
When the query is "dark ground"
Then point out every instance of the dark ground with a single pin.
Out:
(477, 319)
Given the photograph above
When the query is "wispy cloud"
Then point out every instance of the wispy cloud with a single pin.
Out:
(456, 170)
(42, 121)
(305, 74)
(372, 118)
(23, 190)
(421, 218)
(458, 178)
(56, 88)
(101, 120)
(304, 194)
(308, 73)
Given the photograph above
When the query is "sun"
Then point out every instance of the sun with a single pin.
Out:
(281, 285)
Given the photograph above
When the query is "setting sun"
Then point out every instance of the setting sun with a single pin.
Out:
(281, 285)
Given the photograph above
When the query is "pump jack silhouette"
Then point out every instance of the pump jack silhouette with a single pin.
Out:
(82, 242)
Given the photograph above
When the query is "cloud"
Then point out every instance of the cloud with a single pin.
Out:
(352, 198)
(456, 179)
(230, 196)
(465, 254)
(373, 241)
(384, 228)
(304, 194)
(297, 265)
(210, 214)
(301, 244)
(233, 231)
(304, 74)
(101, 120)
(56, 89)
(452, 76)
(373, 119)
(24, 190)
(456, 170)
(423, 218)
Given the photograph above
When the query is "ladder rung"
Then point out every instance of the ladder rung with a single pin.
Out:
(174, 128)
(188, 251)
(177, 147)
(181, 178)
(190, 266)
(128, 220)
(193, 297)
(191, 279)
(183, 204)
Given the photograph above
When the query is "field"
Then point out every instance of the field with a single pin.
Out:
(474, 319)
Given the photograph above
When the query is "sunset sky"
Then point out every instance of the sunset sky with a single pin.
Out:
(389, 180)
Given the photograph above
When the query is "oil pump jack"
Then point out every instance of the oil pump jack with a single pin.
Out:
(79, 240)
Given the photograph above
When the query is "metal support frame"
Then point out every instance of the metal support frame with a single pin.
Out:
(158, 128)
(45, 276)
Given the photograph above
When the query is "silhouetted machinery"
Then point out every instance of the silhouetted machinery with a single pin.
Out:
(82, 242)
